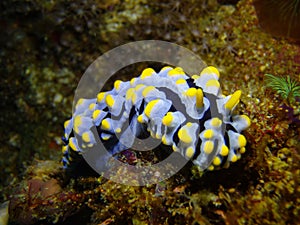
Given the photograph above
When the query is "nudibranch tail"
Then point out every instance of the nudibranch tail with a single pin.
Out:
(189, 114)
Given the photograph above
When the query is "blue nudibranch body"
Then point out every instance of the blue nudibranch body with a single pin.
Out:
(186, 113)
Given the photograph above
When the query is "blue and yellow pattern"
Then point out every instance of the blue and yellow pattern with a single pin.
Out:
(189, 114)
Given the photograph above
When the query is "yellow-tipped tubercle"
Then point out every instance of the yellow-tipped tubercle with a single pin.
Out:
(210, 70)
(77, 123)
(167, 119)
(208, 147)
(247, 119)
(234, 100)
(184, 136)
(190, 151)
(199, 98)
(191, 92)
(147, 90)
(117, 84)
(105, 125)
(242, 141)
(109, 100)
(150, 106)
(224, 150)
(100, 96)
(147, 73)
(212, 83)
(86, 137)
(216, 122)
(176, 71)
(209, 133)
(140, 119)
(217, 161)
(234, 158)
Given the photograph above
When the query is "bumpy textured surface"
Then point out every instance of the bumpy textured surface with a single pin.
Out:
(186, 113)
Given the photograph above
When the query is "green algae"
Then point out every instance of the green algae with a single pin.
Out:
(286, 87)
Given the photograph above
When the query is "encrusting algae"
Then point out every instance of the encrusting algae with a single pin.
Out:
(261, 188)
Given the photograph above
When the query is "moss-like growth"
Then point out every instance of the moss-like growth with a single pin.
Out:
(36, 94)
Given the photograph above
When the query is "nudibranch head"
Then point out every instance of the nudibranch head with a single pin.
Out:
(188, 114)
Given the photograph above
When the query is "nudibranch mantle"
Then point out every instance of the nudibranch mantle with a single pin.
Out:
(186, 113)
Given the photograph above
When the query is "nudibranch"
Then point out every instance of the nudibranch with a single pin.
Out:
(187, 113)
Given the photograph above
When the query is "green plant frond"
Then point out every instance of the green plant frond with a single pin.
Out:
(294, 87)
(278, 84)
(285, 86)
(296, 91)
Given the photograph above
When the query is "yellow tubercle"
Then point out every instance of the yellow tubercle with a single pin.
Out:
(217, 161)
(247, 119)
(190, 151)
(184, 136)
(147, 73)
(132, 81)
(191, 92)
(234, 100)
(134, 98)
(195, 77)
(80, 102)
(149, 107)
(129, 93)
(216, 122)
(92, 106)
(117, 84)
(211, 168)
(210, 70)
(139, 86)
(176, 71)
(77, 123)
(180, 81)
(224, 150)
(105, 125)
(208, 147)
(67, 123)
(105, 138)
(242, 141)
(199, 98)
(109, 100)
(212, 83)
(242, 150)
(64, 149)
(234, 158)
(72, 144)
(147, 90)
(208, 134)
(100, 96)
(96, 113)
(167, 119)
(86, 137)
(166, 67)
(140, 119)
(118, 130)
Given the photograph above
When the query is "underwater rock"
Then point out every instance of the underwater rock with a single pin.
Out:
(41, 198)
